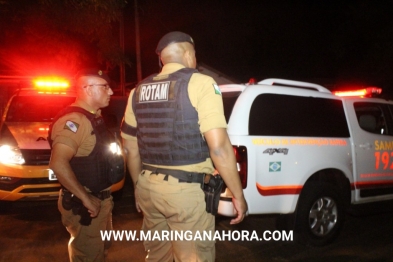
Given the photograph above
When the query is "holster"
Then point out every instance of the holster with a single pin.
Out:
(70, 201)
(212, 192)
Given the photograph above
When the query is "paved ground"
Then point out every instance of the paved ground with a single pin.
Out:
(33, 232)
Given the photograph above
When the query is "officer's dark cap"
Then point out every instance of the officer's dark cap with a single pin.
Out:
(173, 37)
(93, 72)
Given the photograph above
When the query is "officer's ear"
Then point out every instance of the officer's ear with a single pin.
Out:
(189, 56)
(86, 89)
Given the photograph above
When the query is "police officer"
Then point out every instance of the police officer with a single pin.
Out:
(78, 148)
(174, 130)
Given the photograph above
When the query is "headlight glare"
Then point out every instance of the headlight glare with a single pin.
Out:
(11, 155)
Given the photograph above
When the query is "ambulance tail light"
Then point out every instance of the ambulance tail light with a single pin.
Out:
(365, 92)
(241, 162)
(51, 85)
(11, 155)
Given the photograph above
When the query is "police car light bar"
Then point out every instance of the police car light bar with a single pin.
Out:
(50, 84)
(369, 91)
(44, 129)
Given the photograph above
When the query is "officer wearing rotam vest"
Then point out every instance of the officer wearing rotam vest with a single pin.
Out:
(83, 164)
(174, 130)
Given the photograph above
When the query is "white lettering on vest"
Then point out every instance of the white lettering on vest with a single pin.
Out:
(154, 92)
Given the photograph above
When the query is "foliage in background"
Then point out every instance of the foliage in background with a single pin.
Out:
(60, 35)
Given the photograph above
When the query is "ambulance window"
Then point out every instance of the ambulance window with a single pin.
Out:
(286, 115)
(229, 99)
(371, 117)
(36, 109)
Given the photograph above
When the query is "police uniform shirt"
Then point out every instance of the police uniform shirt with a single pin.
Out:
(205, 98)
(75, 131)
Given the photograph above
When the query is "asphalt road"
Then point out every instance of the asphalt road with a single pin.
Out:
(32, 231)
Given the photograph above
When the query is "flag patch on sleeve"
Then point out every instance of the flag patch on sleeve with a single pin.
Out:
(72, 126)
(217, 90)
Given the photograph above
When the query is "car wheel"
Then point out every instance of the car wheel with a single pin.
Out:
(320, 214)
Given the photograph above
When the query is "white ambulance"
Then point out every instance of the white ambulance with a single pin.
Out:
(24, 149)
(305, 151)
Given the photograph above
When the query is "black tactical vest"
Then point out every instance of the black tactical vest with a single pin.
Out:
(167, 123)
(93, 171)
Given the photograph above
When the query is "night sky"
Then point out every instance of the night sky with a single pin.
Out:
(335, 43)
(327, 42)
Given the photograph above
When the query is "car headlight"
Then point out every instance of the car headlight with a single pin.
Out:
(11, 155)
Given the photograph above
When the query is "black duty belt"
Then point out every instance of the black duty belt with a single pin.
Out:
(101, 195)
(183, 176)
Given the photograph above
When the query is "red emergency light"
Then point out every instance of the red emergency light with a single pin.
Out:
(51, 85)
(365, 92)
(43, 129)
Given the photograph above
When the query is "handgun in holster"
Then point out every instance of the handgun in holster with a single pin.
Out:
(212, 191)
(70, 201)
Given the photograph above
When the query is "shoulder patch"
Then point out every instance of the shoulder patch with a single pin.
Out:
(217, 90)
(72, 126)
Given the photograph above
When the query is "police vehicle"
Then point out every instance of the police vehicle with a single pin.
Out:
(24, 149)
(309, 152)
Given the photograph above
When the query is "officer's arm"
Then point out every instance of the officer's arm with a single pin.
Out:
(134, 163)
(223, 157)
(60, 164)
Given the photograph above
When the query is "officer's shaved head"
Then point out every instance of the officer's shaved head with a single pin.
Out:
(182, 53)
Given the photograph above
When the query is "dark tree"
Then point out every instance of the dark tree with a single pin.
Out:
(60, 35)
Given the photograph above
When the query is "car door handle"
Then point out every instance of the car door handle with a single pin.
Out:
(365, 146)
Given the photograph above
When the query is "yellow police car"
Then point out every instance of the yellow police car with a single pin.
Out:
(24, 149)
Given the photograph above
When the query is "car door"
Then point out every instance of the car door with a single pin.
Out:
(371, 126)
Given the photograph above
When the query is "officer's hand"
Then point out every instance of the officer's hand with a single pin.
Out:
(241, 207)
(93, 205)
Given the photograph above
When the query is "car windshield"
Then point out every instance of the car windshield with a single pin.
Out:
(36, 108)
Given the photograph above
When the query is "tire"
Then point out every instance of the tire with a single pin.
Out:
(320, 214)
